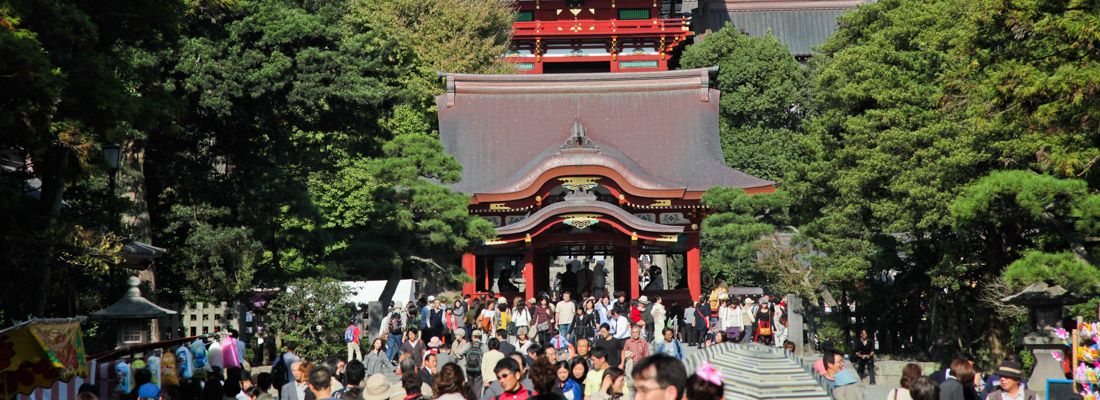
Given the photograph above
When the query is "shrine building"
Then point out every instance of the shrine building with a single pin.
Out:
(589, 166)
(571, 36)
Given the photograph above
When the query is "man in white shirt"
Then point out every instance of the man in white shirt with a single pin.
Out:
(621, 329)
(565, 310)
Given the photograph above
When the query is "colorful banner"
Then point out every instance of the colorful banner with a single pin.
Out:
(36, 354)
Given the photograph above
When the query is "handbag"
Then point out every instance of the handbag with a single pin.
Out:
(543, 326)
(765, 329)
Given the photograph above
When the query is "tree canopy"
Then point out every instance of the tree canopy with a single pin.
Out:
(763, 95)
(942, 155)
(263, 140)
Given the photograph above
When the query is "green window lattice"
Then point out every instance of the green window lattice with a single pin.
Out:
(634, 13)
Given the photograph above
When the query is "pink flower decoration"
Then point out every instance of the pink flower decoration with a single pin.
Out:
(709, 373)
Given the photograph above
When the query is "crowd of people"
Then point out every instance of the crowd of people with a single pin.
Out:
(490, 348)
(580, 347)
(514, 376)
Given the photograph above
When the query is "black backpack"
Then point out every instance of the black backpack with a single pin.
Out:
(473, 358)
(395, 324)
(279, 372)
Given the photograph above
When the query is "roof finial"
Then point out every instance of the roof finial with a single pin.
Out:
(133, 283)
(578, 135)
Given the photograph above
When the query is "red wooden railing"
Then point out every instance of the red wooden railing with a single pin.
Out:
(669, 26)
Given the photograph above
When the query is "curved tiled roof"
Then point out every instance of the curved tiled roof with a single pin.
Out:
(662, 127)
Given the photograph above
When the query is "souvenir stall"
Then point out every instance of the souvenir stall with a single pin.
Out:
(42, 354)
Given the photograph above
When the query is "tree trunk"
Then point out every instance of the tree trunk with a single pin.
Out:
(53, 189)
(391, 287)
(845, 314)
(131, 181)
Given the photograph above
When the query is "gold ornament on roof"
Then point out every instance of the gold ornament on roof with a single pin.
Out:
(580, 221)
(579, 183)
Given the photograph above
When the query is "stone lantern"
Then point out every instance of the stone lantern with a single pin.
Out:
(1044, 303)
(134, 315)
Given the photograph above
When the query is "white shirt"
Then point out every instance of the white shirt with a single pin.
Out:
(565, 311)
(622, 328)
(521, 317)
(725, 318)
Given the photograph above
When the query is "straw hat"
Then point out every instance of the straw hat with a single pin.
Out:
(379, 388)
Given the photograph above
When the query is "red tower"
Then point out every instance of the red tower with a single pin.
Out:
(567, 36)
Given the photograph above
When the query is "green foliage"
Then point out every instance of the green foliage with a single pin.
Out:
(431, 36)
(763, 91)
(915, 107)
(390, 214)
(762, 84)
(831, 332)
(1032, 197)
(1063, 268)
(321, 110)
(31, 84)
(71, 80)
(735, 231)
(1026, 72)
(1004, 214)
(311, 313)
(218, 261)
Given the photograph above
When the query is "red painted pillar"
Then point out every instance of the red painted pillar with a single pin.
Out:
(694, 265)
(469, 264)
(529, 271)
(634, 279)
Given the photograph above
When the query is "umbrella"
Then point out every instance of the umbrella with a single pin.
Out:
(755, 371)
(37, 353)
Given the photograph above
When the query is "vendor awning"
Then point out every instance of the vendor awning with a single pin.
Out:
(39, 352)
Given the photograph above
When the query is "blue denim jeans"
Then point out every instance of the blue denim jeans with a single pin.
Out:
(393, 346)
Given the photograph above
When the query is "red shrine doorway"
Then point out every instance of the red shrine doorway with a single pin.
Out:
(582, 265)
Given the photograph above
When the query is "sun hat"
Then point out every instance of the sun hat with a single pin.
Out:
(379, 388)
(1011, 369)
(643, 300)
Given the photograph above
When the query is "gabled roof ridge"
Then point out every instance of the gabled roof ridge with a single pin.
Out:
(577, 77)
(603, 82)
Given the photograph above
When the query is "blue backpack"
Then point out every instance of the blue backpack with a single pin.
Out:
(349, 334)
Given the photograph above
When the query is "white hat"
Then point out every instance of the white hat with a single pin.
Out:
(431, 298)
(435, 342)
(749, 300)
(643, 299)
(379, 388)
(502, 300)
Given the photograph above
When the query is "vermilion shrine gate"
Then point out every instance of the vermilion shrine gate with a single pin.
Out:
(586, 164)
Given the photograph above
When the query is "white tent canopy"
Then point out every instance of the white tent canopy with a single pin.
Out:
(365, 292)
